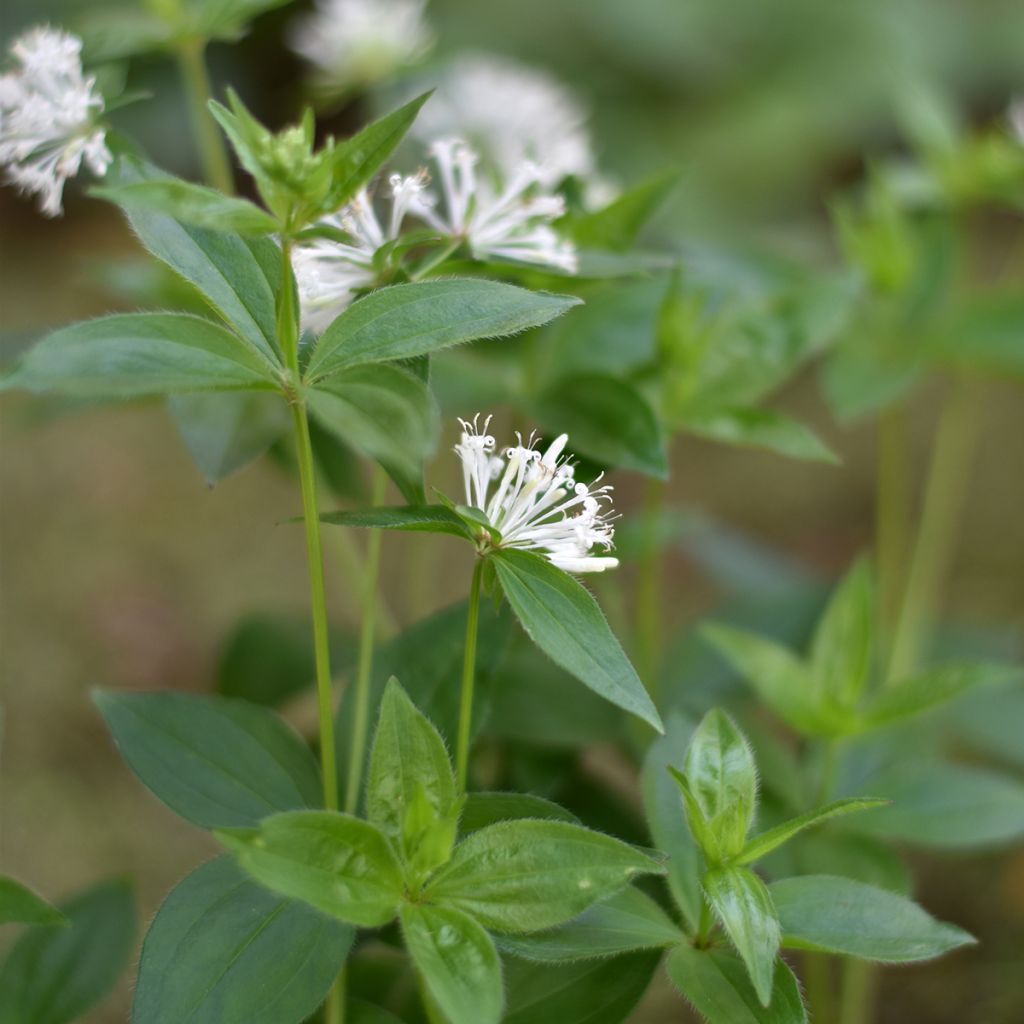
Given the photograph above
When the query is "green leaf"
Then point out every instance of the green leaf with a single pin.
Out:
(984, 335)
(759, 428)
(409, 320)
(416, 518)
(862, 858)
(338, 864)
(213, 761)
(483, 809)
(458, 962)
(20, 904)
(134, 354)
(627, 921)
(191, 203)
(522, 876)
(225, 432)
(763, 844)
(741, 901)
(716, 984)
(840, 658)
(409, 764)
(910, 697)
(608, 420)
(721, 776)
(667, 822)
(839, 915)
(776, 675)
(587, 992)
(224, 950)
(617, 225)
(385, 412)
(564, 621)
(54, 975)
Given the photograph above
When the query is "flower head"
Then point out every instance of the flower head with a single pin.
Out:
(512, 221)
(361, 40)
(535, 502)
(329, 272)
(48, 115)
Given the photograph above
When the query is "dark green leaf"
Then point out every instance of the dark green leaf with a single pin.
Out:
(522, 876)
(716, 984)
(483, 809)
(20, 904)
(409, 320)
(839, 915)
(564, 620)
(759, 428)
(224, 950)
(336, 863)
(458, 962)
(742, 903)
(417, 518)
(213, 761)
(54, 975)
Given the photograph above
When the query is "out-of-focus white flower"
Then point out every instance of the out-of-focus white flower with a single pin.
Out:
(511, 113)
(1015, 117)
(48, 111)
(535, 504)
(351, 41)
(512, 221)
(329, 272)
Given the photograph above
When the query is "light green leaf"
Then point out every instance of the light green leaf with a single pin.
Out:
(627, 921)
(763, 844)
(20, 904)
(213, 761)
(483, 809)
(759, 428)
(338, 864)
(415, 518)
(522, 876)
(985, 335)
(458, 962)
(134, 354)
(741, 901)
(608, 420)
(839, 915)
(409, 320)
(617, 225)
(716, 984)
(564, 620)
(55, 975)
(224, 950)
(862, 858)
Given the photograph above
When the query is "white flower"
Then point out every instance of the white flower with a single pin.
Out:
(1015, 116)
(48, 115)
(535, 503)
(511, 222)
(361, 40)
(329, 272)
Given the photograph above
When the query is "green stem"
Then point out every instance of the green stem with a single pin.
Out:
(367, 638)
(818, 984)
(860, 980)
(892, 518)
(212, 151)
(948, 477)
(704, 925)
(468, 678)
(649, 589)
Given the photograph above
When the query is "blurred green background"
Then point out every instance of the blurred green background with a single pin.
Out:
(122, 569)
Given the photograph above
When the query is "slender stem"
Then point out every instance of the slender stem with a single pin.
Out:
(948, 477)
(892, 518)
(364, 670)
(212, 152)
(649, 586)
(818, 983)
(468, 678)
(860, 980)
(704, 925)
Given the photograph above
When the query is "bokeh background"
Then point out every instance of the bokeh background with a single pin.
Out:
(122, 569)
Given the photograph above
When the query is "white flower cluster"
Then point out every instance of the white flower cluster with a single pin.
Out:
(1015, 117)
(48, 115)
(361, 40)
(536, 504)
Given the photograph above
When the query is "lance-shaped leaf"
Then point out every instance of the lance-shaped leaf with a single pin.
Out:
(483, 809)
(839, 915)
(213, 761)
(763, 844)
(222, 949)
(758, 428)
(715, 982)
(741, 901)
(458, 962)
(617, 225)
(522, 876)
(20, 904)
(336, 863)
(564, 621)
(627, 921)
(414, 518)
(130, 355)
(410, 320)
(909, 697)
